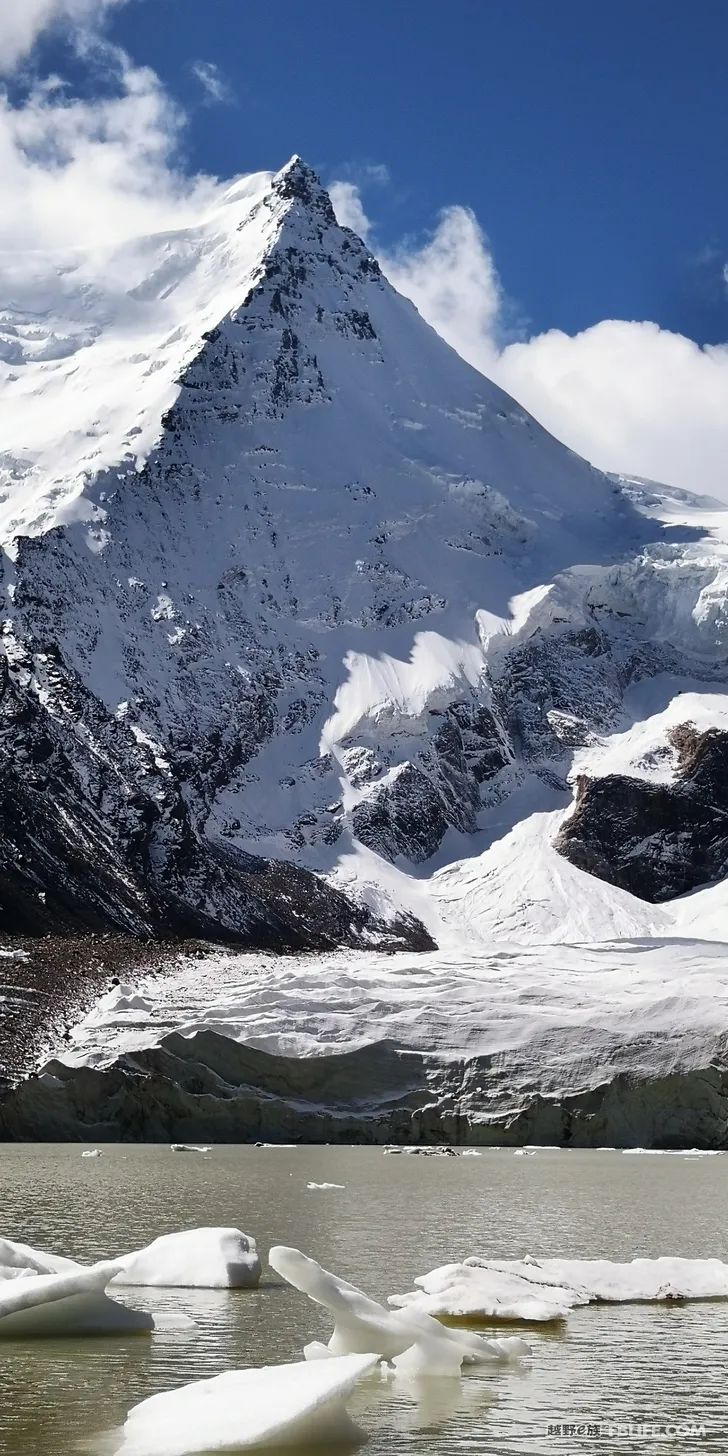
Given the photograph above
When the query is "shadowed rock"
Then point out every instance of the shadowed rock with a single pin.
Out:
(657, 840)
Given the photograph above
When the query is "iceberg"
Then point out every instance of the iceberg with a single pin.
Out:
(203, 1258)
(278, 1405)
(360, 1324)
(541, 1290)
(325, 1185)
(72, 1302)
(92, 1153)
(469, 1292)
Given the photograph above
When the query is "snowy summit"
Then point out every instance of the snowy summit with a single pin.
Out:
(314, 638)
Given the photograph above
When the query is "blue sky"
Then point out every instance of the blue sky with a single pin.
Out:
(590, 138)
(545, 179)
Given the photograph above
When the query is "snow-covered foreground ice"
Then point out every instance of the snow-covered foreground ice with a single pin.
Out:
(414, 1342)
(296, 1405)
(204, 1258)
(546, 1289)
(72, 1302)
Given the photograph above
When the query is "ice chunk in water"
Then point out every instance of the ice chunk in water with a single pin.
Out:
(69, 1303)
(277, 1405)
(204, 1258)
(362, 1324)
(546, 1289)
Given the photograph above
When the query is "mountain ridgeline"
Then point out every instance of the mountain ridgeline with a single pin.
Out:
(314, 638)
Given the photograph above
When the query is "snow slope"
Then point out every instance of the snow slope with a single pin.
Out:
(84, 382)
(287, 579)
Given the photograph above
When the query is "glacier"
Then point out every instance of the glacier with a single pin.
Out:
(315, 642)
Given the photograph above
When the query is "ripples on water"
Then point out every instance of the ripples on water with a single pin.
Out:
(395, 1218)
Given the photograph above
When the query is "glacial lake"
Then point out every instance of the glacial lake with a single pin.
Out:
(396, 1217)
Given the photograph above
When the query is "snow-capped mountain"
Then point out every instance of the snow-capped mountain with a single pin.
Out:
(314, 637)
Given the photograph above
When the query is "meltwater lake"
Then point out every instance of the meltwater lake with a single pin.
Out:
(630, 1367)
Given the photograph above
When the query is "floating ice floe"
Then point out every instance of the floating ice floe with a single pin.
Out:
(204, 1258)
(467, 1291)
(324, 1185)
(297, 1405)
(71, 1302)
(546, 1289)
(188, 1148)
(674, 1152)
(411, 1339)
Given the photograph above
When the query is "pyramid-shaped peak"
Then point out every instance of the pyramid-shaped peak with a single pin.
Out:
(299, 182)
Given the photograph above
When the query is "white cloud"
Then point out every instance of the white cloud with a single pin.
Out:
(216, 89)
(349, 208)
(21, 22)
(376, 172)
(77, 172)
(345, 193)
(453, 281)
(630, 396)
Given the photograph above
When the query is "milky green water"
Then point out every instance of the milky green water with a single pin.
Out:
(396, 1217)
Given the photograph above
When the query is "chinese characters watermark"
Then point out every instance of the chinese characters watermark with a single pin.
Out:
(628, 1430)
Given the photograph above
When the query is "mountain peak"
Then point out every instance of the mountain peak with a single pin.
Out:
(300, 183)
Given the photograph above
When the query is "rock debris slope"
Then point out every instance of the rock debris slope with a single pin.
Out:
(311, 634)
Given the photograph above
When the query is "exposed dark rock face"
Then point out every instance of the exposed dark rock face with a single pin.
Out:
(657, 840)
(94, 836)
(410, 810)
(559, 687)
(402, 816)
